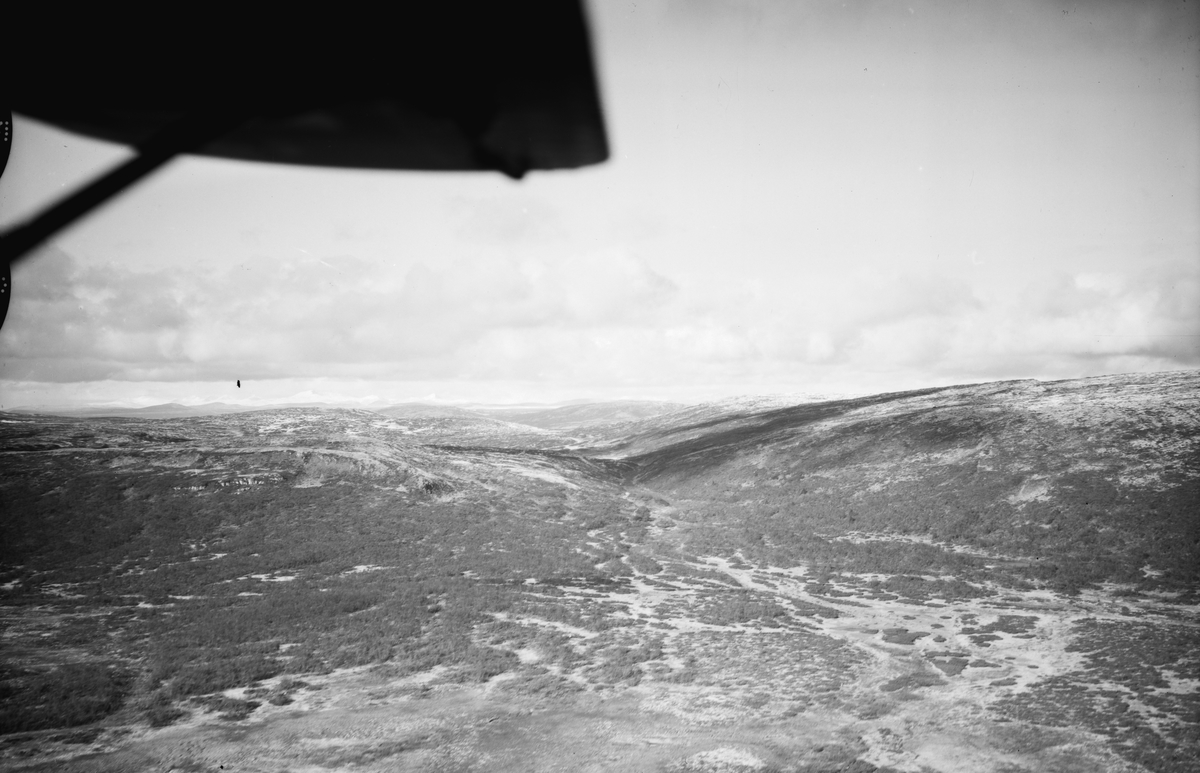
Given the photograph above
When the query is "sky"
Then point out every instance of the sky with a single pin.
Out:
(812, 197)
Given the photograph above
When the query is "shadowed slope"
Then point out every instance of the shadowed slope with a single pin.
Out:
(1093, 480)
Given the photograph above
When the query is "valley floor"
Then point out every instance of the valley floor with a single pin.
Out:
(846, 678)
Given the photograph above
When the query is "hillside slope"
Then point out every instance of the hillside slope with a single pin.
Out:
(462, 426)
(1093, 480)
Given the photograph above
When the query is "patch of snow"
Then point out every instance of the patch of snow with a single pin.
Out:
(363, 568)
(540, 473)
(210, 557)
(1034, 489)
(572, 630)
(726, 755)
(1180, 685)
(269, 577)
(60, 590)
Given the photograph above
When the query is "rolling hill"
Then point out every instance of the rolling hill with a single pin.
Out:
(1095, 480)
(463, 426)
(986, 577)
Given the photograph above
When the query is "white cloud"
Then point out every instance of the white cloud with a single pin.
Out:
(606, 319)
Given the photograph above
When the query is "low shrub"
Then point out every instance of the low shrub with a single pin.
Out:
(70, 695)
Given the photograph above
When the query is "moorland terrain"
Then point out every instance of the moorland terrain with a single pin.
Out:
(994, 577)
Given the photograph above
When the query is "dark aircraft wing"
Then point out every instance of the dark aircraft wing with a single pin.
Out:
(436, 86)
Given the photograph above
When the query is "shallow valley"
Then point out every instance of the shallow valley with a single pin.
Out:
(996, 577)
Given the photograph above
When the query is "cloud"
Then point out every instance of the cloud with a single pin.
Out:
(504, 219)
(924, 326)
(308, 316)
(602, 318)
(1057, 325)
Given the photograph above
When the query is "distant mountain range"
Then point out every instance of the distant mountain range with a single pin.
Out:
(577, 416)
(162, 411)
(428, 411)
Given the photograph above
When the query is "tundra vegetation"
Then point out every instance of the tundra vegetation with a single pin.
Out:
(997, 577)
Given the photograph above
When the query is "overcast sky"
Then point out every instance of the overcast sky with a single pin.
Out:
(802, 197)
